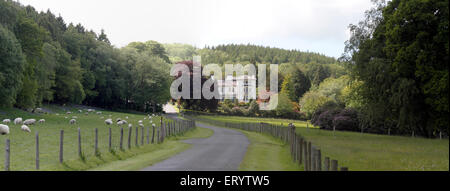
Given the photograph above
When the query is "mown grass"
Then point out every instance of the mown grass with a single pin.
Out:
(369, 152)
(265, 153)
(23, 143)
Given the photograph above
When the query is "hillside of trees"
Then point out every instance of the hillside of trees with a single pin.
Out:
(45, 60)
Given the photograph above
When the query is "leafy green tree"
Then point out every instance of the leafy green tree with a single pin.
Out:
(400, 54)
(12, 64)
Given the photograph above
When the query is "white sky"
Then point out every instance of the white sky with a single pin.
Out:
(307, 25)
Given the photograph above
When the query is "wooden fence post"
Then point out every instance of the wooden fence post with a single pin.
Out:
(130, 129)
(61, 146)
(327, 164)
(110, 140)
(7, 155)
(37, 150)
(148, 135)
(319, 160)
(300, 152)
(80, 153)
(313, 158)
(137, 136)
(309, 156)
(142, 135)
(334, 165)
(121, 138)
(96, 143)
(158, 139)
(153, 134)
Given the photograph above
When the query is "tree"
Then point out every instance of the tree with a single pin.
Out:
(400, 54)
(12, 64)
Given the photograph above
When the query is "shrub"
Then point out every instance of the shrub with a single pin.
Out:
(325, 119)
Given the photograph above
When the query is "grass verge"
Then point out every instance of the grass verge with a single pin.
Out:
(368, 152)
(265, 153)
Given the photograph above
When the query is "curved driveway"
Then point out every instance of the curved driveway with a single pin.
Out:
(223, 151)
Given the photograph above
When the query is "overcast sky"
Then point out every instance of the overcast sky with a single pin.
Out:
(307, 25)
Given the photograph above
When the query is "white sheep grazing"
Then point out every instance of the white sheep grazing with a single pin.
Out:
(145, 118)
(81, 111)
(99, 112)
(72, 121)
(141, 125)
(118, 119)
(140, 121)
(4, 129)
(41, 121)
(6, 121)
(124, 122)
(25, 128)
(29, 122)
(69, 112)
(108, 122)
(130, 125)
(120, 123)
(126, 117)
(18, 121)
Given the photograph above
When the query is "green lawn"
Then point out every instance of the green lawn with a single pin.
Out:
(369, 152)
(23, 144)
(266, 153)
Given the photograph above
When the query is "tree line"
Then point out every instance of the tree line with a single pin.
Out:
(45, 60)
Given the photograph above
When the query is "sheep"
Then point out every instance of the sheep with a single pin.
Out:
(66, 117)
(130, 125)
(108, 122)
(80, 111)
(18, 121)
(29, 122)
(99, 112)
(38, 110)
(141, 125)
(41, 121)
(124, 122)
(4, 129)
(87, 113)
(120, 123)
(140, 121)
(118, 119)
(126, 117)
(72, 121)
(25, 128)
(6, 121)
(69, 113)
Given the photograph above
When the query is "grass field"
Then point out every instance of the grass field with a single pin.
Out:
(23, 143)
(266, 153)
(369, 152)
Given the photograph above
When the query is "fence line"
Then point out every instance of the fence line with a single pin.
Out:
(168, 127)
(301, 150)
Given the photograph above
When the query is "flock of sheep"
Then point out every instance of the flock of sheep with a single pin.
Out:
(4, 128)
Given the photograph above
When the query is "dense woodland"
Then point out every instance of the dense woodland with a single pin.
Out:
(392, 78)
(45, 60)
